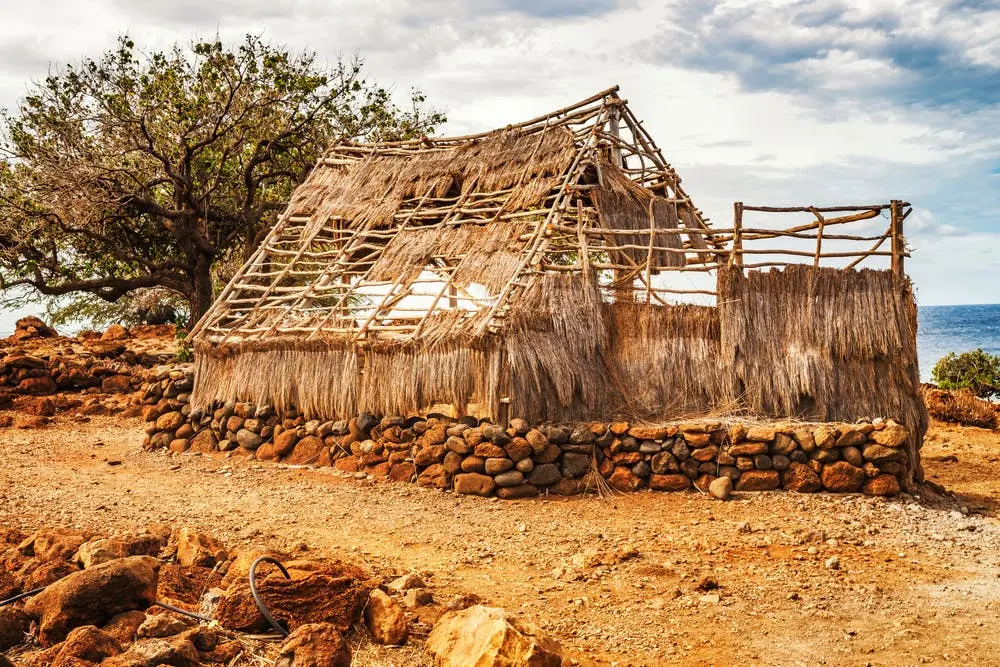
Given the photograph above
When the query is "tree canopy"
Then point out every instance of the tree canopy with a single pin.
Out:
(146, 170)
(976, 371)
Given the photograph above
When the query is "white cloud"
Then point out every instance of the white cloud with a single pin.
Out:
(826, 137)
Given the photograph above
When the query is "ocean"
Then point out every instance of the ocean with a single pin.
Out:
(944, 329)
(940, 330)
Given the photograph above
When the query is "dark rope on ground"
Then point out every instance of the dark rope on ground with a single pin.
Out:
(178, 610)
(256, 597)
(21, 596)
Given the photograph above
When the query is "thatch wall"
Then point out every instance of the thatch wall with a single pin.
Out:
(664, 359)
(803, 343)
(822, 344)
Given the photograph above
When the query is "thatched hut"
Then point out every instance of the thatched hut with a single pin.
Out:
(519, 273)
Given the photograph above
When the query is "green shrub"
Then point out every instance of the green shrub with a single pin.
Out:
(976, 371)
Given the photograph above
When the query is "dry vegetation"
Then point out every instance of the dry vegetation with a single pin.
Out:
(960, 407)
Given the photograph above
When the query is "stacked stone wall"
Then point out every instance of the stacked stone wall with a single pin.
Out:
(476, 457)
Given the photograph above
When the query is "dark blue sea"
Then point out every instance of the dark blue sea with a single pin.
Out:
(944, 329)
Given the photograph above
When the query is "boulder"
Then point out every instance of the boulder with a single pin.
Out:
(801, 479)
(402, 472)
(124, 626)
(518, 448)
(761, 433)
(103, 550)
(93, 596)
(882, 485)
(314, 645)
(842, 477)
(544, 474)
(495, 466)
(14, 627)
(517, 491)
(509, 478)
(194, 548)
(474, 484)
(334, 597)
(487, 637)
(88, 643)
(851, 437)
(783, 444)
(247, 439)
(758, 480)
(721, 488)
(385, 619)
(434, 477)
(162, 625)
(880, 453)
(892, 435)
(575, 464)
(170, 421)
(664, 463)
(852, 455)
(175, 651)
(623, 479)
(748, 449)
(671, 482)
(307, 450)
(49, 572)
(54, 544)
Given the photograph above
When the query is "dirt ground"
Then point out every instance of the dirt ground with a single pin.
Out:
(639, 579)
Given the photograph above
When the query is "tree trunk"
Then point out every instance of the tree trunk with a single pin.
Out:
(201, 293)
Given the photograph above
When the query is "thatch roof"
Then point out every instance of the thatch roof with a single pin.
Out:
(432, 240)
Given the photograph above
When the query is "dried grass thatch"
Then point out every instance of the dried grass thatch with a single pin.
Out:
(960, 407)
(372, 192)
(664, 359)
(823, 345)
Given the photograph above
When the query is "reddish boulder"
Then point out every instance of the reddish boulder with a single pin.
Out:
(116, 384)
(194, 548)
(800, 478)
(307, 450)
(402, 472)
(623, 479)
(669, 482)
(474, 484)
(758, 480)
(842, 477)
(337, 598)
(434, 477)
(385, 619)
(882, 485)
(37, 386)
(87, 643)
(93, 596)
(14, 627)
(52, 544)
(314, 645)
(517, 491)
(285, 442)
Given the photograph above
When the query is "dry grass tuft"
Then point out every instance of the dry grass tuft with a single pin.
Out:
(960, 407)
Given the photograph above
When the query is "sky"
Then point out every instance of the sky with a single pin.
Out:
(776, 102)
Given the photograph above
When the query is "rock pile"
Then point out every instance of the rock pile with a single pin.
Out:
(475, 457)
(103, 603)
(42, 373)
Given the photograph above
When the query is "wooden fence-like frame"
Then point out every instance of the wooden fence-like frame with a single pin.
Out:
(605, 251)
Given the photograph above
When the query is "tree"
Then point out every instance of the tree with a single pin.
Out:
(142, 170)
(976, 371)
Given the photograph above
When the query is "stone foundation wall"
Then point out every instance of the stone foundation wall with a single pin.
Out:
(522, 460)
